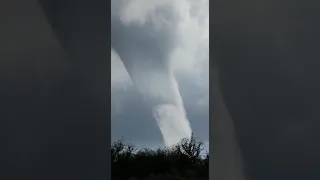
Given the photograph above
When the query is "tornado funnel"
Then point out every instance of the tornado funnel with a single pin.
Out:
(144, 51)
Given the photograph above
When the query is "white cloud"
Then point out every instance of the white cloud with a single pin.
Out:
(191, 56)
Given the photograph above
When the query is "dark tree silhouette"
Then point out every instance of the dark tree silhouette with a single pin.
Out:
(184, 161)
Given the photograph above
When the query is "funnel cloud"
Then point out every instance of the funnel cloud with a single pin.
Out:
(145, 39)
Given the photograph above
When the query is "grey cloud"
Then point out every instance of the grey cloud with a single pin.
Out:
(135, 122)
(196, 102)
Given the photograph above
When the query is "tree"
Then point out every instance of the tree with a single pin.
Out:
(180, 162)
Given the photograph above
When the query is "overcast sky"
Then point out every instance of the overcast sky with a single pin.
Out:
(131, 117)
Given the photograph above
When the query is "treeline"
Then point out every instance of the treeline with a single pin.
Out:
(184, 161)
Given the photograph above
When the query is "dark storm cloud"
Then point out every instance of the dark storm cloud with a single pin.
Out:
(268, 60)
(54, 99)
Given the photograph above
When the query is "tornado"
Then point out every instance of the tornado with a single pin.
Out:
(145, 49)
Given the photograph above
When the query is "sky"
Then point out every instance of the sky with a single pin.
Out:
(186, 41)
